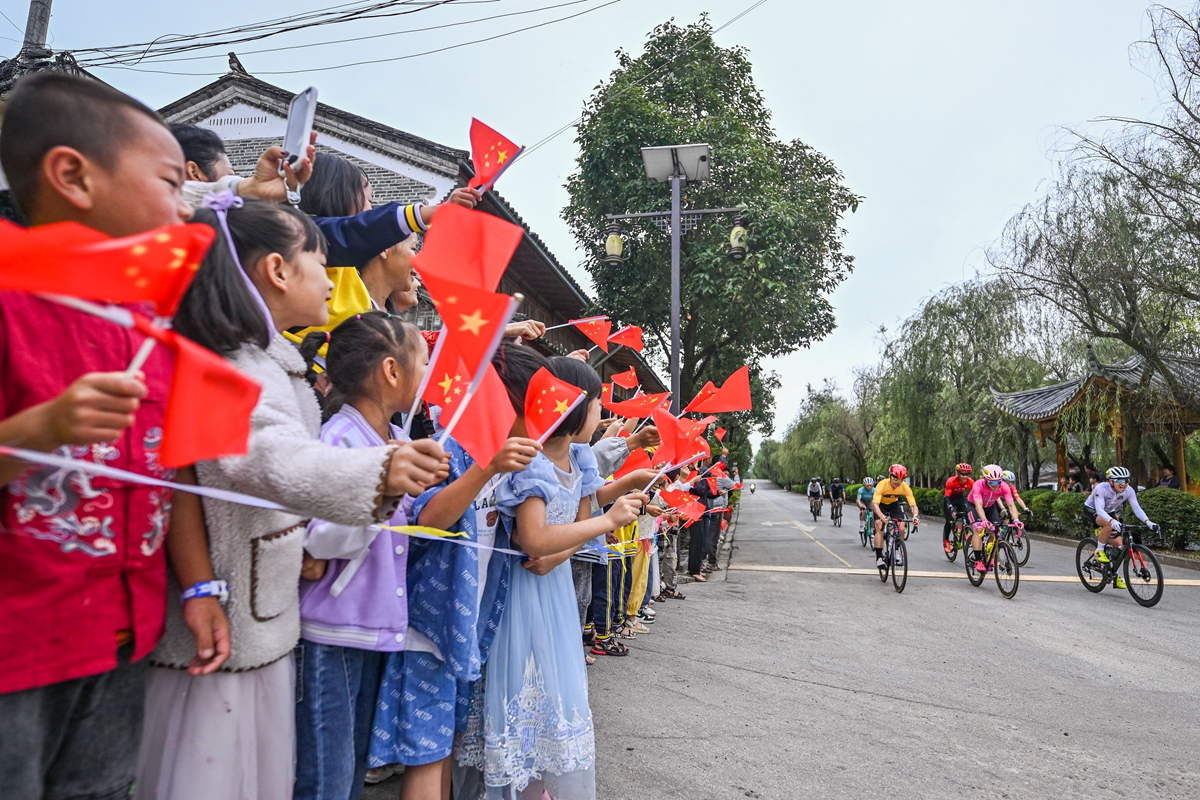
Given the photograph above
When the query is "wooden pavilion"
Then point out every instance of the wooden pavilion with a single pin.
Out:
(1060, 408)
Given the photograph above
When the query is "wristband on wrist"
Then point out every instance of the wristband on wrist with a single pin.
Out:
(217, 589)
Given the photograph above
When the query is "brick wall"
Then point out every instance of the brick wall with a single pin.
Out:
(387, 185)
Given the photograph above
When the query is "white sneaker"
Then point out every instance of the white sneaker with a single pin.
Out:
(379, 774)
(880, 563)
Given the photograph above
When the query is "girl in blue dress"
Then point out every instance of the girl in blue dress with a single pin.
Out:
(537, 725)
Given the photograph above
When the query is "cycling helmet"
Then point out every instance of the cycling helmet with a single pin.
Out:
(1117, 474)
(898, 472)
(992, 472)
(837, 480)
(868, 481)
(964, 467)
(881, 477)
(1009, 476)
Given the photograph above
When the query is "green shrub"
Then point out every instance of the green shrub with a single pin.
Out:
(798, 488)
(1068, 512)
(1029, 494)
(1041, 506)
(852, 493)
(1178, 512)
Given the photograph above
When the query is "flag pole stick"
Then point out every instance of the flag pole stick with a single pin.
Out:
(576, 322)
(433, 359)
(670, 467)
(546, 433)
(477, 378)
(139, 359)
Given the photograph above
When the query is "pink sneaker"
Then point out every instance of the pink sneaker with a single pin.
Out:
(981, 567)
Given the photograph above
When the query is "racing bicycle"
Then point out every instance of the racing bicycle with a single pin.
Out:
(1016, 536)
(1143, 575)
(868, 530)
(835, 512)
(960, 534)
(814, 505)
(1000, 559)
(895, 555)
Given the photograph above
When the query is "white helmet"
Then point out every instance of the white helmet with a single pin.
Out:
(868, 481)
(992, 472)
(1117, 474)
(1009, 476)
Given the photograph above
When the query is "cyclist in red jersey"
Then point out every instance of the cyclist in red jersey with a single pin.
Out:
(955, 499)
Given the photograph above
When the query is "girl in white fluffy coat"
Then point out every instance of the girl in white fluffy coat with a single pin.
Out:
(231, 734)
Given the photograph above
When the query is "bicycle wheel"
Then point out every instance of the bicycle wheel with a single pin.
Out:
(1143, 576)
(887, 559)
(1007, 569)
(899, 566)
(955, 544)
(974, 576)
(1020, 545)
(1091, 572)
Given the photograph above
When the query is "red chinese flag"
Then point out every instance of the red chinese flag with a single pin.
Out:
(690, 428)
(668, 429)
(724, 524)
(490, 153)
(70, 259)
(638, 459)
(638, 407)
(687, 450)
(547, 401)
(468, 247)
(692, 475)
(693, 511)
(712, 484)
(474, 319)
(596, 330)
(718, 470)
(734, 395)
(708, 391)
(677, 498)
(627, 379)
(721, 434)
(487, 420)
(209, 406)
(606, 394)
(630, 336)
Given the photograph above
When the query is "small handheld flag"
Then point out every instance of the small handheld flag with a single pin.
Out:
(468, 247)
(734, 395)
(491, 153)
(548, 401)
(627, 379)
(630, 336)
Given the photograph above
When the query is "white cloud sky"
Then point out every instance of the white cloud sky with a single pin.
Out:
(944, 115)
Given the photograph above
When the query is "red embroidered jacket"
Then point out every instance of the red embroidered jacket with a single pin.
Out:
(81, 557)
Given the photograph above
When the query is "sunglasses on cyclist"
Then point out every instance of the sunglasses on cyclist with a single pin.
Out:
(994, 484)
(1120, 483)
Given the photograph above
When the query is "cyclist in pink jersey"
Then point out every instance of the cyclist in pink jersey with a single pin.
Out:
(984, 509)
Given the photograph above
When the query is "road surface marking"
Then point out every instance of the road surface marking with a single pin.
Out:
(805, 530)
(925, 574)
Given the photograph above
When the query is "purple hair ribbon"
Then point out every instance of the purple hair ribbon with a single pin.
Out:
(221, 202)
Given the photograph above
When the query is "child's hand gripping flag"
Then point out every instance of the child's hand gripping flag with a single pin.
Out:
(69, 259)
(548, 401)
(491, 153)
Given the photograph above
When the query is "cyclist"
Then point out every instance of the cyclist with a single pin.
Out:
(866, 493)
(752, 487)
(888, 501)
(1106, 500)
(1010, 478)
(816, 490)
(837, 496)
(984, 509)
(954, 497)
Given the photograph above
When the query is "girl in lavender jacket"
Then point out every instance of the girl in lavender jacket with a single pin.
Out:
(357, 612)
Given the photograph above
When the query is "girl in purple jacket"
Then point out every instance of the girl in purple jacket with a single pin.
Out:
(357, 611)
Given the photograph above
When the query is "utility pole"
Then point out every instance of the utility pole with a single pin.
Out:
(37, 27)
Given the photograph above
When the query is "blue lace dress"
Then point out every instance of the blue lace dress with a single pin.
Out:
(537, 725)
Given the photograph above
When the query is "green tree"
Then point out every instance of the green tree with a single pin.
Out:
(684, 88)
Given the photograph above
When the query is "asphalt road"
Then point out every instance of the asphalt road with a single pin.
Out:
(771, 681)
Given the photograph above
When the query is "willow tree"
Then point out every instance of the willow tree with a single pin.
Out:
(682, 89)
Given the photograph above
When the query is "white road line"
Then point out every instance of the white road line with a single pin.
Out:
(912, 573)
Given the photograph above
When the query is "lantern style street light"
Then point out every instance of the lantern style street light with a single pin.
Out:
(677, 164)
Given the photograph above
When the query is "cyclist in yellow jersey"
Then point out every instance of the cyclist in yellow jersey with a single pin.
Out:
(887, 502)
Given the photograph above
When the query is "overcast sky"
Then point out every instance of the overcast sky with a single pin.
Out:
(946, 116)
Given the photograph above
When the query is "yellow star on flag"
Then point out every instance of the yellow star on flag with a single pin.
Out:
(561, 407)
(473, 322)
(446, 384)
(502, 157)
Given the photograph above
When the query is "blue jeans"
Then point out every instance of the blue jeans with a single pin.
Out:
(335, 704)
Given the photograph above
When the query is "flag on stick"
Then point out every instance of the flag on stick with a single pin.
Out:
(627, 379)
(491, 154)
(474, 319)
(721, 434)
(638, 459)
(487, 421)
(638, 407)
(707, 391)
(596, 329)
(630, 336)
(734, 395)
(468, 247)
(67, 258)
(548, 401)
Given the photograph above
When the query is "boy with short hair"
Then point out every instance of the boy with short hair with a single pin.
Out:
(83, 579)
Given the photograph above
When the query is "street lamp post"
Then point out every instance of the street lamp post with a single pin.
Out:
(676, 164)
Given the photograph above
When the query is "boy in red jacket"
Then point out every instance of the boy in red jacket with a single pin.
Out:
(84, 572)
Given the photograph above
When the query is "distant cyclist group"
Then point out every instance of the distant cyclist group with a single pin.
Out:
(983, 518)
